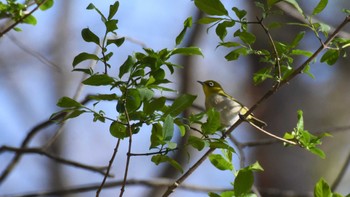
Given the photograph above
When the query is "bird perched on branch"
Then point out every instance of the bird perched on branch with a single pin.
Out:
(229, 108)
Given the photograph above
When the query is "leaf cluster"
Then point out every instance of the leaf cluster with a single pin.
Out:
(18, 12)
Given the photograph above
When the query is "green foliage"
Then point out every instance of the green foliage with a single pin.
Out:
(306, 139)
(18, 11)
(322, 189)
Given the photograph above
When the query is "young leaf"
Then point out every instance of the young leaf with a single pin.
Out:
(45, 6)
(320, 6)
(89, 36)
(239, 13)
(113, 10)
(31, 20)
(208, 20)
(82, 57)
(330, 57)
(213, 122)
(93, 7)
(156, 136)
(133, 100)
(156, 104)
(243, 182)
(180, 104)
(145, 93)
(220, 162)
(211, 7)
(221, 29)
(187, 51)
(126, 66)
(168, 128)
(111, 25)
(187, 24)
(157, 159)
(196, 142)
(118, 42)
(118, 130)
(67, 102)
(99, 80)
(322, 189)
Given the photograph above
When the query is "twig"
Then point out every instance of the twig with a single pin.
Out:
(40, 151)
(130, 182)
(27, 139)
(128, 156)
(262, 99)
(341, 173)
(99, 189)
(21, 19)
(272, 135)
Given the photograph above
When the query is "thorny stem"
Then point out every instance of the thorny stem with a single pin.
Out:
(273, 90)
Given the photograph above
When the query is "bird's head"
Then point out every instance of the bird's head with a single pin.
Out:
(210, 87)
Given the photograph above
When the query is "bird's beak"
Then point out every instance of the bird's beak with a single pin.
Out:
(201, 82)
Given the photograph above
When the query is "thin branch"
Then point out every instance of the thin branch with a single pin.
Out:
(272, 135)
(99, 189)
(40, 151)
(130, 182)
(35, 130)
(261, 100)
(153, 153)
(21, 19)
(128, 156)
(341, 173)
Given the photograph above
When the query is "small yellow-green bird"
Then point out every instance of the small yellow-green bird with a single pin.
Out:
(228, 107)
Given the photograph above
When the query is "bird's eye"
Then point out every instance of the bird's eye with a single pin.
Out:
(211, 84)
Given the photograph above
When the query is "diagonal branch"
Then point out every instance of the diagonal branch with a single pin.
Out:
(40, 151)
(268, 94)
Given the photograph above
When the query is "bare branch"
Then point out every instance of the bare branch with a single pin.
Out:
(40, 151)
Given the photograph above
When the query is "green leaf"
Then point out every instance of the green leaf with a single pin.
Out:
(67, 102)
(196, 142)
(320, 7)
(187, 51)
(156, 104)
(104, 97)
(255, 167)
(262, 75)
(168, 128)
(221, 144)
(220, 162)
(330, 57)
(229, 44)
(133, 100)
(157, 159)
(239, 13)
(187, 24)
(296, 5)
(30, 20)
(111, 25)
(99, 80)
(156, 135)
(208, 20)
(47, 5)
(246, 37)
(243, 182)
(213, 122)
(82, 57)
(145, 93)
(221, 29)
(322, 189)
(317, 152)
(118, 42)
(211, 7)
(118, 130)
(270, 3)
(126, 66)
(234, 54)
(301, 52)
(113, 10)
(180, 104)
(297, 39)
(306, 70)
(89, 36)
(92, 7)
(300, 123)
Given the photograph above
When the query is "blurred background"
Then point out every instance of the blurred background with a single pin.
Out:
(36, 70)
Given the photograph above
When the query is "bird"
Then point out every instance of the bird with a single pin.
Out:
(229, 108)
